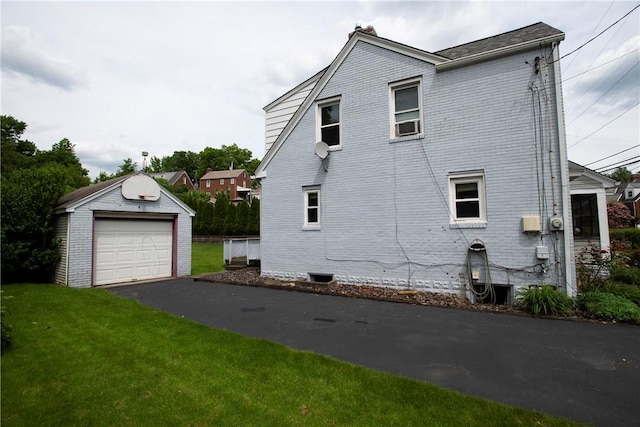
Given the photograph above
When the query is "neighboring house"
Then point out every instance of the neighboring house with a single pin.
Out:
(125, 229)
(442, 171)
(236, 183)
(589, 207)
(629, 194)
(176, 179)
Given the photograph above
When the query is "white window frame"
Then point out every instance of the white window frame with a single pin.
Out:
(319, 106)
(468, 178)
(404, 84)
(233, 181)
(208, 183)
(306, 191)
(221, 181)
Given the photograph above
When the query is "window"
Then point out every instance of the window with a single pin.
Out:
(406, 108)
(222, 181)
(329, 122)
(467, 197)
(233, 181)
(584, 211)
(630, 194)
(208, 183)
(312, 208)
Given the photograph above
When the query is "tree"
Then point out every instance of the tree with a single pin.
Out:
(621, 174)
(16, 152)
(128, 166)
(242, 218)
(63, 154)
(229, 228)
(619, 215)
(253, 226)
(29, 248)
(220, 213)
(180, 161)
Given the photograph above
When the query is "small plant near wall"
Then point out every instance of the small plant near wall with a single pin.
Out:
(544, 300)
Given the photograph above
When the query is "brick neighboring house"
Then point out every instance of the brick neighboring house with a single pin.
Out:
(236, 183)
(176, 178)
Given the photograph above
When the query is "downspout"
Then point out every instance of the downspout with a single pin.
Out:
(569, 265)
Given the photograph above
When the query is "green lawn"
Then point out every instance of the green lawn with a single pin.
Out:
(88, 357)
(206, 258)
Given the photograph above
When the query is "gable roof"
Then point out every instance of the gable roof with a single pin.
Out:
(492, 47)
(69, 202)
(223, 174)
(171, 177)
(538, 31)
(577, 171)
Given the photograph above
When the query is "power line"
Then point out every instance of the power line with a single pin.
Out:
(601, 96)
(608, 157)
(615, 165)
(599, 34)
(598, 66)
(606, 124)
(631, 162)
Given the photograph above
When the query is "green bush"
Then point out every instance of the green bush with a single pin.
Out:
(628, 236)
(628, 275)
(544, 300)
(604, 305)
(630, 292)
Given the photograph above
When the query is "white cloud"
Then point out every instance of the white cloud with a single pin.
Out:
(24, 55)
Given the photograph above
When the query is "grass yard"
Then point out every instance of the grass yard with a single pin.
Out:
(206, 258)
(88, 357)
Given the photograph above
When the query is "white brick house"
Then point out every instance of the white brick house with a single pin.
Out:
(122, 230)
(446, 171)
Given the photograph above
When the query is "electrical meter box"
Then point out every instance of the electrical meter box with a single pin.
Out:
(542, 252)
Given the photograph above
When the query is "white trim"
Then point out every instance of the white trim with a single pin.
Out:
(405, 84)
(336, 100)
(467, 178)
(569, 266)
(306, 225)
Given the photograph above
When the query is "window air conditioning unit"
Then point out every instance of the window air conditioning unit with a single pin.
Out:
(408, 128)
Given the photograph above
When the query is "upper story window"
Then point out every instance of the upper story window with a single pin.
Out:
(406, 108)
(329, 122)
(184, 179)
(312, 208)
(233, 181)
(467, 198)
(208, 183)
(629, 193)
(222, 181)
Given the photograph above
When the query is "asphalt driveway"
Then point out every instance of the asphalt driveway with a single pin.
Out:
(587, 372)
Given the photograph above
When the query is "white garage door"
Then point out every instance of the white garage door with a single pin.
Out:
(128, 249)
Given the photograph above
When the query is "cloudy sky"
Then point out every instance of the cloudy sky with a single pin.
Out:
(118, 78)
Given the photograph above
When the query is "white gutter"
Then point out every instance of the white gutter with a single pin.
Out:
(569, 264)
(496, 53)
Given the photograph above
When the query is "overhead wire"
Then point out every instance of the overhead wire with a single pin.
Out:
(616, 165)
(606, 124)
(614, 154)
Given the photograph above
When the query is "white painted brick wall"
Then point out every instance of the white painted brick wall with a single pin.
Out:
(80, 245)
(385, 216)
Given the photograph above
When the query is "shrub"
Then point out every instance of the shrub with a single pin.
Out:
(604, 305)
(628, 275)
(544, 300)
(629, 236)
(619, 215)
(630, 292)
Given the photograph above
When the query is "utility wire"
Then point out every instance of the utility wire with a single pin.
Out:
(601, 96)
(595, 37)
(615, 165)
(619, 166)
(615, 154)
(606, 124)
(598, 66)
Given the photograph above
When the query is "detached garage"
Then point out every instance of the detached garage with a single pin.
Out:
(122, 230)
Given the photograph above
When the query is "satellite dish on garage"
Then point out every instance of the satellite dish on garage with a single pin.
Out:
(322, 149)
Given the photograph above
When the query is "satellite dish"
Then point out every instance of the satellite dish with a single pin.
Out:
(322, 149)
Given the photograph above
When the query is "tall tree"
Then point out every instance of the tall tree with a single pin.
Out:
(253, 226)
(16, 152)
(63, 154)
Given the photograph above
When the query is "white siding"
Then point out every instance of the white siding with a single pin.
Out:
(61, 227)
